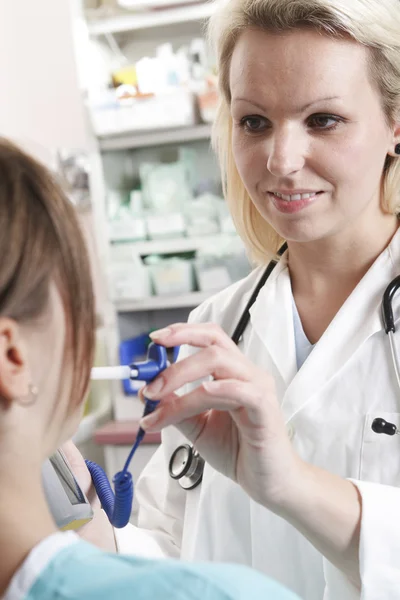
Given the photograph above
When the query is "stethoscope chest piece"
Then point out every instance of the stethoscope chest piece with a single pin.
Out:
(186, 466)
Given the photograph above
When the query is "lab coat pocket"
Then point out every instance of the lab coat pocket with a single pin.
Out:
(380, 453)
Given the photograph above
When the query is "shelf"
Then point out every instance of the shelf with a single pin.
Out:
(123, 433)
(162, 302)
(181, 135)
(153, 4)
(148, 20)
(184, 244)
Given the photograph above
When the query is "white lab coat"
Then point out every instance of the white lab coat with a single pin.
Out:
(329, 405)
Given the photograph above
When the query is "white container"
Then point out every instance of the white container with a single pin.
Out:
(171, 276)
(211, 275)
(208, 105)
(170, 225)
(176, 108)
(128, 228)
(129, 279)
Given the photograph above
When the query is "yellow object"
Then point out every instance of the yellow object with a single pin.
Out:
(125, 76)
(88, 404)
(76, 524)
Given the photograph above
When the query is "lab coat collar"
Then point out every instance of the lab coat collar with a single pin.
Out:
(272, 322)
(356, 321)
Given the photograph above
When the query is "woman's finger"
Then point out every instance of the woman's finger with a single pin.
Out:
(198, 335)
(213, 361)
(192, 426)
(227, 395)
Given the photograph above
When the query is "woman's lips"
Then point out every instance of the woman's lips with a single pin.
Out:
(297, 202)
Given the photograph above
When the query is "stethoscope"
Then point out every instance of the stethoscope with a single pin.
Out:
(187, 466)
(379, 425)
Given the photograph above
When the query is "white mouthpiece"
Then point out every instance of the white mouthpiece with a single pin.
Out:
(123, 372)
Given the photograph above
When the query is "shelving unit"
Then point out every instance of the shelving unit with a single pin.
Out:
(162, 302)
(114, 156)
(147, 139)
(171, 246)
(153, 19)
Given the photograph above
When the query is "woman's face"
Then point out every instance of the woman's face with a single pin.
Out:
(309, 133)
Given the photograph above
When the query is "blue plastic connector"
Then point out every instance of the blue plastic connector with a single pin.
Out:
(118, 505)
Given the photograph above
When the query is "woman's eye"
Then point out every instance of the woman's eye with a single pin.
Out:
(324, 121)
(253, 124)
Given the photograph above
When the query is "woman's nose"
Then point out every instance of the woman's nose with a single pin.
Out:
(286, 153)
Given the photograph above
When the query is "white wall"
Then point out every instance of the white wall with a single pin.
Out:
(40, 101)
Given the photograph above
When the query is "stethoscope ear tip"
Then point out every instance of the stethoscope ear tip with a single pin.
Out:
(379, 425)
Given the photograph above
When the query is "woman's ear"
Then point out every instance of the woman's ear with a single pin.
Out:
(395, 149)
(15, 376)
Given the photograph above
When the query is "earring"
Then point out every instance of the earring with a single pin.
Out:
(30, 398)
(397, 149)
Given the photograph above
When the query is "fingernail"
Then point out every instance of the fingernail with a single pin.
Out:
(150, 421)
(152, 390)
(160, 333)
(208, 386)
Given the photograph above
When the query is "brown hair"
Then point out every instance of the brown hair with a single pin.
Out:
(41, 242)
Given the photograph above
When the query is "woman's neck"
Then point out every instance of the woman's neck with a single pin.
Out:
(338, 261)
(324, 273)
(25, 519)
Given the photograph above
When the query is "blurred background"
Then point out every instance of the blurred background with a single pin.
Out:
(118, 97)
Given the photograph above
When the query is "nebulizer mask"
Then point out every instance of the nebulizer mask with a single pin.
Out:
(68, 504)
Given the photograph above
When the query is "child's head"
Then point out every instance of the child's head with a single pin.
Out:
(46, 304)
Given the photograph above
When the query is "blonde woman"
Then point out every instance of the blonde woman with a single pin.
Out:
(46, 351)
(296, 483)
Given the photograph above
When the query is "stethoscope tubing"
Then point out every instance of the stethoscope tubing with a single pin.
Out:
(389, 326)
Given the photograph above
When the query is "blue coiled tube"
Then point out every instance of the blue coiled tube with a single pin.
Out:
(118, 505)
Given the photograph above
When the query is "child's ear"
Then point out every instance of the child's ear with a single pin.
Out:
(15, 377)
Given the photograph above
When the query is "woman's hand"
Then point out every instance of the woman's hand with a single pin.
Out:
(237, 426)
(234, 420)
(98, 531)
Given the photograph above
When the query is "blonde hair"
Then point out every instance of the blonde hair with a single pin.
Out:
(375, 24)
